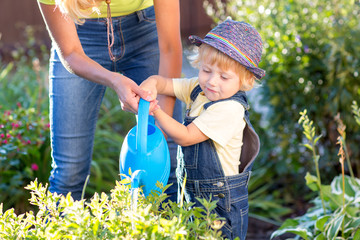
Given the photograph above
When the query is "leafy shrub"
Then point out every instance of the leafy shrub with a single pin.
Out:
(24, 126)
(311, 55)
(25, 81)
(336, 210)
(108, 217)
(339, 219)
(24, 153)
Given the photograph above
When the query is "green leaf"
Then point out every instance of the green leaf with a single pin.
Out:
(351, 186)
(302, 232)
(4, 72)
(320, 223)
(334, 227)
(290, 223)
(317, 139)
(311, 181)
(199, 212)
(308, 146)
(334, 200)
(95, 227)
(357, 235)
(355, 222)
(320, 237)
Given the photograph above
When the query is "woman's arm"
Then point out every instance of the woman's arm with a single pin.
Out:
(181, 134)
(167, 14)
(63, 32)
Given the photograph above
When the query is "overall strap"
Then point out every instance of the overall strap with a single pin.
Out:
(195, 92)
(251, 141)
(240, 96)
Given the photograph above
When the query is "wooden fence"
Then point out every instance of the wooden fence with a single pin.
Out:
(16, 15)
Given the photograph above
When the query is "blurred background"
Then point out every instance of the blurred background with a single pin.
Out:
(17, 15)
(311, 56)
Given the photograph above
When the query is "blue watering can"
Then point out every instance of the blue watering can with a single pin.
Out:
(145, 152)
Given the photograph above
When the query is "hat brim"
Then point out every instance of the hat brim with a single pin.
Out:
(258, 72)
(195, 40)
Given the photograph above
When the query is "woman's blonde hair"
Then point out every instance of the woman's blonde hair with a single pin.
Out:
(212, 56)
(78, 9)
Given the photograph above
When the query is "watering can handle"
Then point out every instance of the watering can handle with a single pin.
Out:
(142, 127)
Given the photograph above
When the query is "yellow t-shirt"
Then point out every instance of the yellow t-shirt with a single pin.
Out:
(222, 122)
(118, 7)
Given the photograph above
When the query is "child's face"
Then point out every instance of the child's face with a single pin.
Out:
(217, 83)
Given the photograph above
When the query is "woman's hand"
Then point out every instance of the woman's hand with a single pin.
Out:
(129, 93)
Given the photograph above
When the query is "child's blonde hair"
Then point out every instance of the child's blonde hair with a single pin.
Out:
(213, 56)
(76, 10)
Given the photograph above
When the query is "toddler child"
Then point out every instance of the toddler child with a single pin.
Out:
(218, 142)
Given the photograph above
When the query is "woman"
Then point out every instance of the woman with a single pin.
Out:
(98, 44)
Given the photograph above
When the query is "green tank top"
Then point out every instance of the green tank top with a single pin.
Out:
(118, 7)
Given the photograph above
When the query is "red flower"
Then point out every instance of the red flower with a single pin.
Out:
(34, 167)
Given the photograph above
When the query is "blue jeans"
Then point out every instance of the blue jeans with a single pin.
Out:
(75, 102)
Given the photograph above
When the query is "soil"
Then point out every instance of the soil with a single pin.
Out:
(260, 230)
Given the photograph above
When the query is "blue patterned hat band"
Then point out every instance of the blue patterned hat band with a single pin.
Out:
(238, 40)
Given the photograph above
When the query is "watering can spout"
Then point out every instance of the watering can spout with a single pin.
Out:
(145, 152)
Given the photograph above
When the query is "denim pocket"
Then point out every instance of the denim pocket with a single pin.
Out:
(191, 156)
(149, 14)
(235, 214)
(236, 222)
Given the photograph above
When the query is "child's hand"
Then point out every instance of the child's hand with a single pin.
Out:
(153, 107)
(150, 86)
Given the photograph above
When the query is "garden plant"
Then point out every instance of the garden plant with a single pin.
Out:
(24, 111)
(24, 132)
(109, 217)
(335, 213)
(24, 153)
(312, 60)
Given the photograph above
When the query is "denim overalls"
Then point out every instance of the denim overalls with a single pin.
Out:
(205, 176)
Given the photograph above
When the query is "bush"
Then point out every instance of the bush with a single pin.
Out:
(25, 81)
(335, 213)
(108, 217)
(24, 153)
(340, 219)
(24, 126)
(311, 55)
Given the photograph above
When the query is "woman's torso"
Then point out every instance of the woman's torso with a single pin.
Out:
(118, 7)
